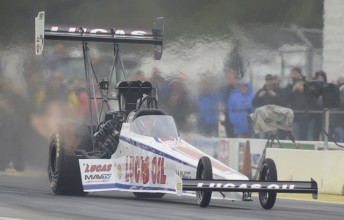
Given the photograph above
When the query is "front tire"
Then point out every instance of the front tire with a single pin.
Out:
(268, 173)
(204, 172)
(63, 169)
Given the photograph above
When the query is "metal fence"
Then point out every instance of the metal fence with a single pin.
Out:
(326, 119)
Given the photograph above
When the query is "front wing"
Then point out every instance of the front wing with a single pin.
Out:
(252, 186)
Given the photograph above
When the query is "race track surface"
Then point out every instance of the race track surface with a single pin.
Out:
(24, 197)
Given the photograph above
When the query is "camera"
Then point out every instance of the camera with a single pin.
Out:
(328, 91)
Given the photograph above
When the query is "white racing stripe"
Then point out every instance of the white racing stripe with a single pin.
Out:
(312, 200)
(5, 218)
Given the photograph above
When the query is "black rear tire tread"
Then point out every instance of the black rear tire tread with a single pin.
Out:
(63, 169)
(267, 200)
(205, 172)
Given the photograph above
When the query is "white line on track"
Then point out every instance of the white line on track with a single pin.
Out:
(5, 218)
(318, 201)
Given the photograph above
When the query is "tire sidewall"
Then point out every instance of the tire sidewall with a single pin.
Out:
(269, 202)
(204, 196)
(54, 176)
(66, 178)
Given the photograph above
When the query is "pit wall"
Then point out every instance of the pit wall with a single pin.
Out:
(299, 162)
(325, 167)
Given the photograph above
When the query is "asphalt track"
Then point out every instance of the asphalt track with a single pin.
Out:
(27, 197)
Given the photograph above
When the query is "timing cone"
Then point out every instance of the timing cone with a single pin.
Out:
(247, 161)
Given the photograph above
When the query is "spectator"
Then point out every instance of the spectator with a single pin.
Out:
(6, 134)
(340, 82)
(321, 76)
(34, 142)
(276, 81)
(56, 90)
(231, 80)
(295, 99)
(300, 103)
(36, 91)
(11, 125)
(239, 107)
(164, 89)
(53, 91)
(180, 105)
(207, 104)
(78, 99)
(337, 120)
(269, 94)
(316, 118)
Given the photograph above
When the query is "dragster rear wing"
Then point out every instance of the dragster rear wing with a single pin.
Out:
(87, 34)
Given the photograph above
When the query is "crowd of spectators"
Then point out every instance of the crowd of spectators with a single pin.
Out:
(31, 115)
(235, 99)
(239, 100)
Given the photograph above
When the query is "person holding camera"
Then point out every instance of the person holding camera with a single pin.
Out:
(301, 104)
(269, 94)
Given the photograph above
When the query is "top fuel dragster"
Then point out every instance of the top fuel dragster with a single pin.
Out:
(136, 147)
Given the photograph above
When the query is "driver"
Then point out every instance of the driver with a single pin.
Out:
(145, 125)
(156, 126)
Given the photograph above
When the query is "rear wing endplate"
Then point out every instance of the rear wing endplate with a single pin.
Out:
(87, 34)
(39, 33)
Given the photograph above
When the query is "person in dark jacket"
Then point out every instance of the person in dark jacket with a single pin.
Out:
(300, 103)
(317, 105)
(337, 120)
(269, 94)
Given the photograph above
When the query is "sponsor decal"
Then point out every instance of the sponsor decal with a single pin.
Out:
(99, 30)
(95, 178)
(97, 168)
(142, 169)
(119, 171)
(184, 174)
(246, 186)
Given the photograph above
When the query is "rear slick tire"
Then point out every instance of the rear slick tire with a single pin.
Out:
(63, 169)
(268, 173)
(204, 172)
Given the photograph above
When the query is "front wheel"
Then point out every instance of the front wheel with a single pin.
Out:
(268, 173)
(204, 172)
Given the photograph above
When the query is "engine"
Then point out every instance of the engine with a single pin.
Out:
(131, 96)
(107, 136)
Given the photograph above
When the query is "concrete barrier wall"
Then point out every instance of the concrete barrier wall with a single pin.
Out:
(310, 160)
(325, 167)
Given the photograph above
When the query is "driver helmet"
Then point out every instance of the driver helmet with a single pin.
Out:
(147, 125)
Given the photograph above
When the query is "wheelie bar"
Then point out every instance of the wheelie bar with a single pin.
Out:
(251, 186)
